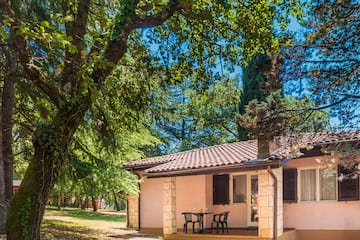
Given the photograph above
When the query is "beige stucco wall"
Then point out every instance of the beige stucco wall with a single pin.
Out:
(192, 193)
(195, 192)
(238, 214)
(190, 196)
(320, 214)
(151, 203)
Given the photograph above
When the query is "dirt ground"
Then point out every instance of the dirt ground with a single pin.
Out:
(105, 230)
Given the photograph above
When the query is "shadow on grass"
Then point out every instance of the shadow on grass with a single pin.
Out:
(55, 229)
(87, 214)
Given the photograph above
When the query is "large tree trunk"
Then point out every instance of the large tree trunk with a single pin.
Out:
(2, 191)
(116, 201)
(94, 203)
(51, 143)
(6, 154)
(6, 128)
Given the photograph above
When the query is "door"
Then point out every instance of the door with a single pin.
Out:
(253, 218)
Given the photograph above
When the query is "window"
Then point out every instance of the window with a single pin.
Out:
(328, 182)
(239, 189)
(308, 185)
(348, 188)
(289, 185)
(317, 184)
(221, 189)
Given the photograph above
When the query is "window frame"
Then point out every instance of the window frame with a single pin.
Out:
(231, 187)
(336, 186)
(226, 189)
(294, 175)
(340, 186)
(317, 185)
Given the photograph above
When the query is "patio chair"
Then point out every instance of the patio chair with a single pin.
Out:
(218, 219)
(188, 218)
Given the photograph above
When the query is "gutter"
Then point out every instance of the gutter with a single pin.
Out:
(275, 202)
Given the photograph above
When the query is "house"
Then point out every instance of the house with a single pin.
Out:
(16, 185)
(291, 194)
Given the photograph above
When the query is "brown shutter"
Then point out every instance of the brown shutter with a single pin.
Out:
(290, 185)
(221, 189)
(348, 188)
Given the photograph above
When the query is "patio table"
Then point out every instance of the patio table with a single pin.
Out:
(201, 219)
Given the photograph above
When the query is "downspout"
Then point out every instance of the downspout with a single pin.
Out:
(275, 202)
(127, 211)
(139, 212)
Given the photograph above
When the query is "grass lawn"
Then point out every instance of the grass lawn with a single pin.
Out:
(77, 224)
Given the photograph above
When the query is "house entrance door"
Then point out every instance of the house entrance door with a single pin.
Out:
(253, 218)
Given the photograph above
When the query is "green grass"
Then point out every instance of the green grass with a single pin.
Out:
(55, 229)
(86, 214)
(78, 224)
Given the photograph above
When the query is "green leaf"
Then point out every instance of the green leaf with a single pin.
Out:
(3, 34)
(45, 24)
(68, 18)
(72, 49)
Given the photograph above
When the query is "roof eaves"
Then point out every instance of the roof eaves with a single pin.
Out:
(246, 166)
(141, 167)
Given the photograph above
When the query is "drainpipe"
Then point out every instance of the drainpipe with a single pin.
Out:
(139, 204)
(275, 202)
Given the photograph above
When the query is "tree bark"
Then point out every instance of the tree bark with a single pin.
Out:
(6, 127)
(94, 205)
(51, 143)
(2, 190)
(6, 154)
(116, 202)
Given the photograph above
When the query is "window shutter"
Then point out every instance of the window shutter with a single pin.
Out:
(221, 189)
(348, 188)
(289, 185)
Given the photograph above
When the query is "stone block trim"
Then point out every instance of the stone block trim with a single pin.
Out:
(169, 206)
(133, 211)
(266, 203)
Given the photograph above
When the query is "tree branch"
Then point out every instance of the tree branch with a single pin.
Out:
(320, 107)
(77, 30)
(158, 19)
(20, 46)
(229, 130)
(117, 47)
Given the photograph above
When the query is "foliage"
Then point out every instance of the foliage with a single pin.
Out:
(254, 83)
(223, 36)
(95, 168)
(24, 215)
(279, 115)
(326, 65)
(72, 53)
(187, 118)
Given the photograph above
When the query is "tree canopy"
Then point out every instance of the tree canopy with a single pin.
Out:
(326, 64)
(74, 54)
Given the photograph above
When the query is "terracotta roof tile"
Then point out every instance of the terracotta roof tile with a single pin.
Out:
(219, 155)
(231, 153)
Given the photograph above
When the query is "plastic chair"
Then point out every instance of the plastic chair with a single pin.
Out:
(218, 219)
(188, 218)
